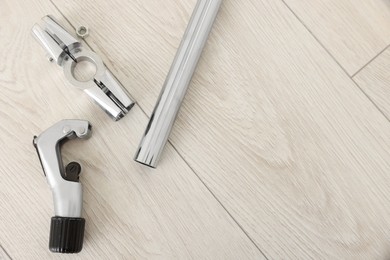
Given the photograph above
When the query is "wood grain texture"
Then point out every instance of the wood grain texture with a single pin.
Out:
(132, 212)
(354, 31)
(375, 81)
(272, 125)
(3, 254)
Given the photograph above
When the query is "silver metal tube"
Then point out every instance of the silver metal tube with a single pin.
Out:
(177, 82)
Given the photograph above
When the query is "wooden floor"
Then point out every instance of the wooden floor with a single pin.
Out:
(281, 149)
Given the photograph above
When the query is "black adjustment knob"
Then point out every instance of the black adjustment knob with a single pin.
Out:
(72, 171)
(66, 235)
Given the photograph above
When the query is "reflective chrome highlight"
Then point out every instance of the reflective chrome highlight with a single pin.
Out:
(66, 51)
(67, 193)
(177, 82)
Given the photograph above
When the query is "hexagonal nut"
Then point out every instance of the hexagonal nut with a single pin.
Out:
(82, 31)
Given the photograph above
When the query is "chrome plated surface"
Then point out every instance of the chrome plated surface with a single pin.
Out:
(82, 31)
(177, 81)
(66, 51)
(67, 195)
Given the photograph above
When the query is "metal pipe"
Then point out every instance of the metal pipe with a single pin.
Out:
(177, 82)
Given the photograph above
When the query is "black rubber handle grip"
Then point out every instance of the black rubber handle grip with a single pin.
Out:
(66, 235)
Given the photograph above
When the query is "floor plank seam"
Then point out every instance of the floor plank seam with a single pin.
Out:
(372, 101)
(5, 251)
(315, 37)
(338, 63)
(369, 62)
(220, 203)
(185, 161)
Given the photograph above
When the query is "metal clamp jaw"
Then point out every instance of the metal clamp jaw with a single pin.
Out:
(66, 51)
(67, 227)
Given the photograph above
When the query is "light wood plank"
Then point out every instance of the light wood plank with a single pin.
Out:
(375, 81)
(354, 31)
(132, 212)
(273, 126)
(3, 254)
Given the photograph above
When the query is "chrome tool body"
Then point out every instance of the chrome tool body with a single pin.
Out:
(176, 83)
(66, 51)
(67, 226)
